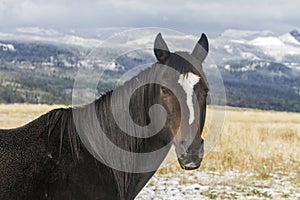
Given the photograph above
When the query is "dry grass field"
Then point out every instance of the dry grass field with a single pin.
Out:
(256, 140)
(257, 155)
(15, 115)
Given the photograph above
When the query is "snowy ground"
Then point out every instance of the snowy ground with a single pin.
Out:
(193, 185)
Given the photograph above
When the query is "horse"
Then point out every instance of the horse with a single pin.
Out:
(48, 159)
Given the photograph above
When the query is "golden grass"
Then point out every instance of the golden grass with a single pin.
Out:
(251, 140)
(15, 115)
(256, 140)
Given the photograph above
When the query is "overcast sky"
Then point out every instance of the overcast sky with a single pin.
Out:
(191, 16)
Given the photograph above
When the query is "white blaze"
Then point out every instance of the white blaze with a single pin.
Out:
(188, 81)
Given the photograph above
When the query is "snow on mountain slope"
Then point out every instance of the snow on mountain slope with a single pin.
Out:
(36, 34)
(231, 45)
(255, 45)
(38, 31)
(271, 46)
(277, 47)
(244, 34)
(7, 47)
(91, 38)
(266, 41)
(289, 39)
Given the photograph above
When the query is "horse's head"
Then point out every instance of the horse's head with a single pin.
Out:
(185, 122)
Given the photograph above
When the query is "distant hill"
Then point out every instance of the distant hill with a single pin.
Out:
(259, 69)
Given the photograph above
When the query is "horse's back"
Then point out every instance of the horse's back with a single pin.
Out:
(21, 154)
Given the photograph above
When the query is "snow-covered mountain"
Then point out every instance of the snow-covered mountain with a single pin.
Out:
(233, 45)
(51, 36)
(259, 68)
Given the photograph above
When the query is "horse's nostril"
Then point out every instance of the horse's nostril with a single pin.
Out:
(183, 155)
(182, 142)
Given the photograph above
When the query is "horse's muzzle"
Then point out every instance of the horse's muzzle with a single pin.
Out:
(187, 163)
(191, 159)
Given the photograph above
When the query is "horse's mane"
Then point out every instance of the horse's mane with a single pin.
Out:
(62, 120)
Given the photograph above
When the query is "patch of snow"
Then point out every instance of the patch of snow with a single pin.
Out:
(254, 45)
(49, 36)
(274, 47)
(227, 67)
(228, 48)
(266, 41)
(292, 65)
(248, 55)
(231, 184)
(38, 31)
(245, 68)
(289, 39)
(79, 41)
(7, 47)
(245, 34)
(114, 66)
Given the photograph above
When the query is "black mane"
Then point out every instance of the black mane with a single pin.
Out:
(61, 120)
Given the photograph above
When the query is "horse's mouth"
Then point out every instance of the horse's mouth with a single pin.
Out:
(188, 164)
(190, 159)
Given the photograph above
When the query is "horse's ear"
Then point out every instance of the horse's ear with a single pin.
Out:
(161, 49)
(201, 49)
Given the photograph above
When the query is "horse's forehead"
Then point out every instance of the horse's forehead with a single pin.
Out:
(196, 67)
(187, 82)
(188, 58)
(188, 79)
(182, 53)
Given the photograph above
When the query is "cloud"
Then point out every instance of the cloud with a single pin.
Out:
(187, 16)
(26, 12)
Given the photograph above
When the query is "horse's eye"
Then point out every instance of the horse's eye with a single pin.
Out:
(165, 91)
(206, 92)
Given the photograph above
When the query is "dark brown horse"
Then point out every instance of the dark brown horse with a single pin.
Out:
(48, 158)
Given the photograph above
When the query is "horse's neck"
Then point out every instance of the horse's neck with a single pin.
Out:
(135, 185)
(129, 184)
